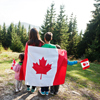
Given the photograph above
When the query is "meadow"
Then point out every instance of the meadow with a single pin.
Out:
(79, 84)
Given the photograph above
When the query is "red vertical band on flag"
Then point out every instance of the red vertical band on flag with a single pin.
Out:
(23, 68)
(61, 68)
(86, 67)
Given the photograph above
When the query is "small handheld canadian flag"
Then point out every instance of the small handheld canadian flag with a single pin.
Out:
(13, 64)
(85, 64)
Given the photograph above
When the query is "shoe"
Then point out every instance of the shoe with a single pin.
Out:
(16, 91)
(33, 90)
(20, 89)
(42, 93)
(28, 88)
(51, 93)
(56, 93)
(46, 92)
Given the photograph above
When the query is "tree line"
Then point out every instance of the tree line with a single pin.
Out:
(64, 31)
(15, 36)
(90, 43)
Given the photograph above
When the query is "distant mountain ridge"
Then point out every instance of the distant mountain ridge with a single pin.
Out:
(26, 25)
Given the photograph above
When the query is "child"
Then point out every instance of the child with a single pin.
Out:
(34, 40)
(47, 37)
(17, 68)
(54, 89)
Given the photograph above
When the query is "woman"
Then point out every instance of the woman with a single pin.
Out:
(34, 40)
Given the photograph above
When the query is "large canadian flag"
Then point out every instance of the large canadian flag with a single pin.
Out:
(44, 66)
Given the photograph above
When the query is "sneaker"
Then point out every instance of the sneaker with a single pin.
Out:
(56, 93)
(42, 93)
(46, 92)
(16, 91)
(33, 90)
(51, 93)
(20, 89)
(28, 88)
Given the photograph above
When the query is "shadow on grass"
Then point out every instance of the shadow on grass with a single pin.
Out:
(89, 96)
(35, 96)
(83, 77)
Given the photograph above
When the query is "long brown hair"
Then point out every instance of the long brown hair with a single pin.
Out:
(34, 37)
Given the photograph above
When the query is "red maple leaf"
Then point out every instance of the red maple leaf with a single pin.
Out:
(84, 64)
(42, 68)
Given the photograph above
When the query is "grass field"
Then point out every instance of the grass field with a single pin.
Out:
(79, 79)
(89, 78)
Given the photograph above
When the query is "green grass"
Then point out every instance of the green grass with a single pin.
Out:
(6, 59)
(12, 84)
(89, 78)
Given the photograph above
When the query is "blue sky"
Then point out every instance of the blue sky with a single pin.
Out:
(33, 11)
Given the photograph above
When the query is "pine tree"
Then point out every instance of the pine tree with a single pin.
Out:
(16, 29)
(90, 44)
(80, 36)
(52, 22)
(61, 29)
(45, 27)
(16, 44)
(52, 18)
(49, 23)
(10, 31)
(70, 24)
(19, 29)
(4, 35)
(29, 28)
(0, 38)
(73, 36)
(0, 34)
(24, 37)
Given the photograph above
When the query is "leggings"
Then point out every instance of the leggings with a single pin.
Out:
(18, 84)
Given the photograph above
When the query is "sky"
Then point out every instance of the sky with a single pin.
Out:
(34, 11)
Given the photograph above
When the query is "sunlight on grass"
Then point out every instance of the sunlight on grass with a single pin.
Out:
(6, 59)
(90, 70)
(74, 74)
(89, 78)
(5, 66)
(74, 65)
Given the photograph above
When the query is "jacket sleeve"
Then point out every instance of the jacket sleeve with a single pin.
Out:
(16, 68)
(71, 62)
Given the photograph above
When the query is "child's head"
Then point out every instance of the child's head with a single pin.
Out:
(48, 36)
(58, 46)
(34, 34)
(21, 57)
(34, 37)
